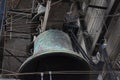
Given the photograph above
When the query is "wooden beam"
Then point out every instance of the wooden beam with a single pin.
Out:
(46, 15)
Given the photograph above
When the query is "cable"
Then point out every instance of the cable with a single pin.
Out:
(74, 39)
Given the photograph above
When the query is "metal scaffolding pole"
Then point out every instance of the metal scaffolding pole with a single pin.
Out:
(2, 17)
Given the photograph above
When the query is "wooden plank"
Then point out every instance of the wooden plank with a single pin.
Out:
(95, 22)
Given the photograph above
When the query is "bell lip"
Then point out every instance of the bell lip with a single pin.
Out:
(70, 53)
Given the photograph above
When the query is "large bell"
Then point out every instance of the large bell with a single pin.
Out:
(53, 52)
